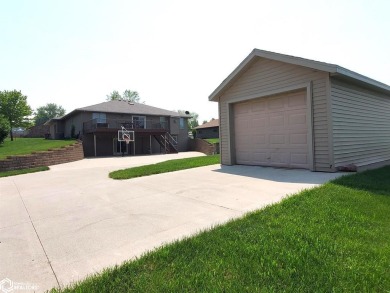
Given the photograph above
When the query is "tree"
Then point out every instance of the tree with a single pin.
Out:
(14, 107)
(193, 121)
(128, 95)
(48, 112)
(131, 96)
(115, 95)
(4, 128)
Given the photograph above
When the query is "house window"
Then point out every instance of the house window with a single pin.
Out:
(100, 117)
(181, 123)
(163, 122)
(139, 121)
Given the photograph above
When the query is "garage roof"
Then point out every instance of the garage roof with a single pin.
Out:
(333, 69)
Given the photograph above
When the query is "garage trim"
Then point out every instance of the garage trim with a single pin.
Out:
(309, 112)
(330, 125)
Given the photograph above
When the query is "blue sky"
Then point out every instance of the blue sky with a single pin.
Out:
(175, 53)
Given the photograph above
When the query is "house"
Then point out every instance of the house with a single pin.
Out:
(284, 111)
(38, 131)
(208, 130)
(155, 130)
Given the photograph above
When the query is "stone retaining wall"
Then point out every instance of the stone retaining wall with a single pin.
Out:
(45, 158)
(201, 145)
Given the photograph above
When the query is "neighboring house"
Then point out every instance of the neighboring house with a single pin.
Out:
(38, 131)
(208, 130)
(156, 130)
(284, 111)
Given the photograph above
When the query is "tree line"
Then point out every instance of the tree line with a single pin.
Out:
(16, 112)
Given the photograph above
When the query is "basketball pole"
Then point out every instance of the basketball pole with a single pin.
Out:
(133, 140)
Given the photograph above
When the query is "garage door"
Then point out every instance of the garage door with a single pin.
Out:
(272, 131)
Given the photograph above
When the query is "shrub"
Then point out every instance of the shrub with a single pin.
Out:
(73, 132)
(4, 128)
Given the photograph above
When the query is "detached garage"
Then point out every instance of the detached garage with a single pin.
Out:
(283, 111)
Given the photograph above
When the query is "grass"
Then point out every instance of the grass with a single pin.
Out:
(24, 146)
(23, 171)
(334, 238)
(164, 167)
(212, 140)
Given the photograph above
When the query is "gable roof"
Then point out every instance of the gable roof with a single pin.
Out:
(125, 107)
(333, 69)
(212, 123)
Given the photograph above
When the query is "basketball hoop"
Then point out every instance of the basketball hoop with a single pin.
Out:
(126, 138)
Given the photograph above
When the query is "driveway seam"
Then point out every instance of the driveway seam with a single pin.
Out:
(206, 202)
(36, 232)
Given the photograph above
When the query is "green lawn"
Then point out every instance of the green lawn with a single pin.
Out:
(24, 146)
(164, 167)
(212, 140)
(334, 238)
(23, 171)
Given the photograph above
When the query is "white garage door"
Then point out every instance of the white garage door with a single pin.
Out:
(272, 131)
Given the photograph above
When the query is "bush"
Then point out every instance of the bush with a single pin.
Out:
(73, 132)
(4, 128)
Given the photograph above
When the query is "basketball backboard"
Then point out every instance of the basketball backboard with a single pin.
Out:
(124, 135)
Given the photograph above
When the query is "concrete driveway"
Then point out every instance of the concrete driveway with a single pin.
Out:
(61, 225)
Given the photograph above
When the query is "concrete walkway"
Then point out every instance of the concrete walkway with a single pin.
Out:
(61, 225)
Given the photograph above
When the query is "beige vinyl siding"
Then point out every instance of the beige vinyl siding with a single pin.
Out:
(265, 76)
(223, 135)
(361, 125)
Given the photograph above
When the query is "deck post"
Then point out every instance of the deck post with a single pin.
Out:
(94, 142)
(150, 143)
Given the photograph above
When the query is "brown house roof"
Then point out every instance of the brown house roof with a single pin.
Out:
(124, 107)
(212, 123)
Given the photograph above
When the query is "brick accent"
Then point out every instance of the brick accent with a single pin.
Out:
(46, 158)
(201, 145)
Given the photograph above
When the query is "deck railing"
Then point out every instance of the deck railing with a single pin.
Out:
(95, 124)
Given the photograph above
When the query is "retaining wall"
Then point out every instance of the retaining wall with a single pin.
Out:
(201, 145)
(45, 158)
